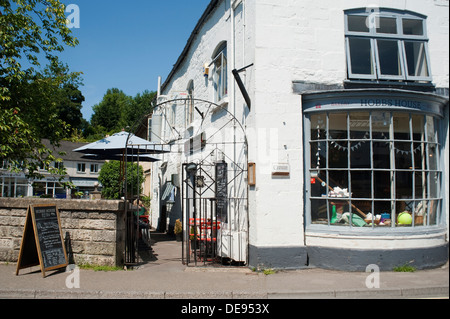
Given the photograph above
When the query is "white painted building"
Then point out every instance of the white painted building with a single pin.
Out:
(344, 129)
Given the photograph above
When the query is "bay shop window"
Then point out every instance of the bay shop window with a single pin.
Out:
(373, 168)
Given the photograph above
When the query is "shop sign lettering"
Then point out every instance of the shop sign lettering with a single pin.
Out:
(391, 102)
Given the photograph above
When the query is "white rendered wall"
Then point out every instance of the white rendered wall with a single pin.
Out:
(305, 41)
(287, 41)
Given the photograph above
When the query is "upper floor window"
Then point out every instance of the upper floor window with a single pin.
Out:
(81, 168)
(190, 107)
(387, 44)
(220, 79)
(94, 168)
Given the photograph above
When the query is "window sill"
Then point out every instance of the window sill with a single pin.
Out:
(223, 103)
(414, 86)
(347, 231)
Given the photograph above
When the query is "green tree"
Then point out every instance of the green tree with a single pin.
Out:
(117, 111)
(31, 31)
(141, 105)
(69, 104)
(109, 114)
(111, 178)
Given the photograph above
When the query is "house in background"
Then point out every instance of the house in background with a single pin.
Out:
(326, 123)
(83, 173)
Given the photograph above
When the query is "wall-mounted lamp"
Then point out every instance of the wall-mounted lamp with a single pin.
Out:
(206, 70)
(251, 175)
(191, 169)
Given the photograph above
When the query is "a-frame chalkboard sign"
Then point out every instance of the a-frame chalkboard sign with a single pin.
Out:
(42, 241)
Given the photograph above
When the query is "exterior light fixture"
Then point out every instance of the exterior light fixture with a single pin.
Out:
(206, 70)
(191, 168)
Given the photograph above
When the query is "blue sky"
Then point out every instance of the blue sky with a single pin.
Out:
(128, 44)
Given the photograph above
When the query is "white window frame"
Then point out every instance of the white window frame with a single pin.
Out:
(220, 74)
(81, 165)
(189, 113)
(399, 36)
(94, 168)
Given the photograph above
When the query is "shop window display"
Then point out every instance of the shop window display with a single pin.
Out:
(374, 169)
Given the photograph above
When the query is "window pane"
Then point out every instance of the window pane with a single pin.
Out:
(318, 127)
(338, 181)
(224, 84)
(382, 184)
(387, 25)
(404, 211)
(361, 184)
(431, 132)
(381, 155)
(318, 184)
(361, 56)
(432, 214)
(384, 209)
(434, 184)
(360, 154)
(357, 23)
(416, 59)
(421, 185)
(418, 126)
(319, 213)
(220, 75)
(338, 126)
(412, 27)
(338, 150)
(420, 213)
(389, 57)
(359, 126)
(380, 125)
(432, 157)
(403, 158)
(420, 158)
(318, 155)
(360, 207)
(338, 155)
(337, 210)
(403, 185)
(401, 126)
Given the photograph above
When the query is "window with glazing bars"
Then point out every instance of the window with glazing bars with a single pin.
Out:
(367, 169)
(387, 44)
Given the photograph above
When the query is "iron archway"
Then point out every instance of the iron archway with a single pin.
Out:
(215, 139)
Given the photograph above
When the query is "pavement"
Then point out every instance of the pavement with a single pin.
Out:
(163, 276)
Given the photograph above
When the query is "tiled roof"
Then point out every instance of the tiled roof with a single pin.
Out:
(68, 147)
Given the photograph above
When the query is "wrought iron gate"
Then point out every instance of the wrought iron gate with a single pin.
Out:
(215, 224)
(214, 182)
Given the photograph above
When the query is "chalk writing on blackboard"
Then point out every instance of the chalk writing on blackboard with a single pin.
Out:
(222, 191)
(42, 239)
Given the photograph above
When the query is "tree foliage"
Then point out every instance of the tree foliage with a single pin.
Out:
(34, 103)
(111, 177)
(118, 111)
(109, 114)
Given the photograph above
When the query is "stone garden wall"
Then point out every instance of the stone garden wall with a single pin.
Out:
(93, 230)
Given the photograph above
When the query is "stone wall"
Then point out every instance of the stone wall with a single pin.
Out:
(94, 231)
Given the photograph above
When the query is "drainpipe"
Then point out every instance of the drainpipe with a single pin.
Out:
(233, 87)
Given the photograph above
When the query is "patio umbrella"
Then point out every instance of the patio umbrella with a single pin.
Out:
(119, 157)
(119, 142)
